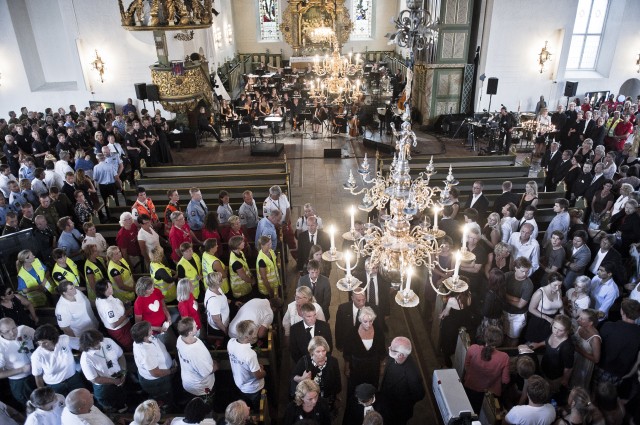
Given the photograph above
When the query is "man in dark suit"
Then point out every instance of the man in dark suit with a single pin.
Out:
(606, 253)
(478, 201)
(346, 317)
(319, 285)
(596, 184)
(307, 239)
(364, 400)
(560, 172)
(506, 197)
(449, 225)
(550, 161)
(307, 328)
(377, 294)
(586, 126)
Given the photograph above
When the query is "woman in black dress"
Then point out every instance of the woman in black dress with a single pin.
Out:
(364, 352)
(15, 306)
(530, 197)
(475, 272)
(161, 127)
(307, 405)
(572, 175)
(493, 304)
(456, 313)
(320, 367)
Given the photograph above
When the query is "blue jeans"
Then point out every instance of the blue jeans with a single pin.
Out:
(109, 396)
(22, 388)
(68, 385)
(160, 389)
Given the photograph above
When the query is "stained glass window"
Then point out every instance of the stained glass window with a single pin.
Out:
(587, 34)
(269, 17)
(361, 12)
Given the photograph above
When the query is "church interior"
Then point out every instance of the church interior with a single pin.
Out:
(377, 118)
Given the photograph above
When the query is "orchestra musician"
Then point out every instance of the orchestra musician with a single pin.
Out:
(227, 112)
(505, 123)
(296, 109)
(319, 116)
(205, 125)
(544, 127)
(264, 109)
(339, 119)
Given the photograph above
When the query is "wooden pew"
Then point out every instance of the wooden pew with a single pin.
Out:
(277, 167)
(228, 180)
(421, 161)
(504, 172)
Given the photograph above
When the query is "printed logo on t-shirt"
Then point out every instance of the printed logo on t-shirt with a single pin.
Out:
(111, 314)
(59, 317)
(155, 306)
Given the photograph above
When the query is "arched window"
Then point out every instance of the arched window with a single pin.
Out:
(588, 30)
(268, 16)
(361, 12)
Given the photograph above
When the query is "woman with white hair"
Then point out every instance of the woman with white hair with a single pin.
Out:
(364, 350)
(625, 190)
(127, 238)
(294, 314)
(120, 275)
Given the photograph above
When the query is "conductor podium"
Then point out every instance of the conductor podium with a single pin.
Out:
(259, 147)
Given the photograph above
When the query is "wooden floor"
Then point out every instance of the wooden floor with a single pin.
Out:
(319, 181)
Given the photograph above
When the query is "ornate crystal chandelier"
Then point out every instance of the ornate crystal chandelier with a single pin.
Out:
(336, 90)
(396, 245)
(416, 27)
(321, 35)
(336, 64)
(336, 69)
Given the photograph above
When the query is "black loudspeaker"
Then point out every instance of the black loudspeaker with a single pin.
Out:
(570, 88)
(368, 143)
(141, 91)
(333, 153)
(152, 93)
(492, 86)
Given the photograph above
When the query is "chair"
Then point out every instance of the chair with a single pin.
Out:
(241, 131)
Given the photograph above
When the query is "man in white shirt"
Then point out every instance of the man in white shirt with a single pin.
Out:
(277, 200)
(607, 253)
(5, 178)
(248, 374)
(16, 347)
(525, 246)
(560, 221)
(197, 368)
(538, 411)
(257, 310)
(509, 222)
(80, 410)
(52, 363)
(75, 317)
(51, 177)
(62, 165)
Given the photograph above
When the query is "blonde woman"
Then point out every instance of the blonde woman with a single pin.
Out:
(187, 304)
(530, 197)
(120, 275)
(211, 263)
(163, 277)
(294, 313)
(491, 233)
(33, 278)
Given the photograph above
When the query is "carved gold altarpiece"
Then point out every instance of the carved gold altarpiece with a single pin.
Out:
(301, 17)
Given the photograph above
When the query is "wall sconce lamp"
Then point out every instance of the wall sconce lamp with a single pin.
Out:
(98, 65)
(229, 34)
(544, 57)
(218, 38)
(638, 63)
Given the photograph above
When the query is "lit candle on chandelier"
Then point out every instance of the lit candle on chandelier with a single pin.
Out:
(353, 217)
(347, 259)
(332, 230)
(456, 269)
(464, 236)
(436, 211)
(407, 287)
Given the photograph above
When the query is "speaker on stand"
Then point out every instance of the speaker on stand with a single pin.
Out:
(153, 94)
(492, 88)
(141, 92)
(570, 90)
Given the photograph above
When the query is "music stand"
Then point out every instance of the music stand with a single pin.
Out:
(304, 116)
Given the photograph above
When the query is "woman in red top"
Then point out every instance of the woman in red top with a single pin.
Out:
(485, 368)
(127, 238)
(235, 229)
(150, 306)
(210, 230)
(187, 304)
(180, 233)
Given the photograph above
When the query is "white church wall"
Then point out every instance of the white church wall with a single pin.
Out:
(89, 25)
(516, 31)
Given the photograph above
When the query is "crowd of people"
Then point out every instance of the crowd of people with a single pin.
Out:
(144, 314)
(565, 298)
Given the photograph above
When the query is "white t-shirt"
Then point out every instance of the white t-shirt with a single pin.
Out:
(281, 204)
(94, 417)
(150, 355)
(531, 415)
(17, 353)
(77, 315)
(244, 362)
(110, 311)
(50, 417)
(216, 304)
(258, 310)
(180, 421)
(94, 362)
(196, 367)
(5, 419)
(99, 241)
(57, 365)
(152, 240)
